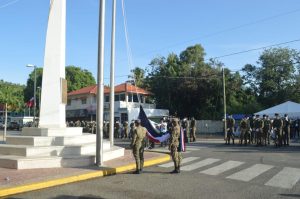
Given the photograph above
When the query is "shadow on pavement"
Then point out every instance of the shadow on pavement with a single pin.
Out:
(290, 195)
(238, 148)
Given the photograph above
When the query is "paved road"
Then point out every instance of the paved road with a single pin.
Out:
(210, 169)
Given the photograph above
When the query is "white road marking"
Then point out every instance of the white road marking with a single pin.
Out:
(197, 165)
(286, 178)
(193, 148)
(248, 174)
(165, 150)
(185, 160)
(222, 168)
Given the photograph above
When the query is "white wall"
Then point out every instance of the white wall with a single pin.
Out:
(209, 126)
(134, 112)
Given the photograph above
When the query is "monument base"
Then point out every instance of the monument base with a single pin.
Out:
(53, 147)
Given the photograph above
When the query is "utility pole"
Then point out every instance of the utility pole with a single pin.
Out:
(224, 101)
(112, 78)
(100, 88)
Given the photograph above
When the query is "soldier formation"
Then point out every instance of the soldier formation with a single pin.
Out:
(120, 131)
(260, 130)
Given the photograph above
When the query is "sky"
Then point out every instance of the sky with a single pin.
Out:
(155, 28)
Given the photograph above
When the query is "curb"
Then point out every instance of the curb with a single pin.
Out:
(78, 178)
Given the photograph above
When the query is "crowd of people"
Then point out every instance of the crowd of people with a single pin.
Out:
(262, 131)
(125, 130)
(120, 130)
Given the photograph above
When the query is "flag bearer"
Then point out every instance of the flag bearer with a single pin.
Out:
(137, 144)
(174, 145)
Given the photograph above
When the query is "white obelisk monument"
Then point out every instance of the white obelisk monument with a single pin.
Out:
(53, 105)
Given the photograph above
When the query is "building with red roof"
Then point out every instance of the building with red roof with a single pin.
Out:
(82, 103)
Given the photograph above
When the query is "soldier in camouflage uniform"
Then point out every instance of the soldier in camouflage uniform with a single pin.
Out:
(131, 129)
(105, 129)
(252, 130)
(193, 130)
(174, 145)
(286, 130)
(77, 123)
(230, 129)
(277, 125)
(244, 129)
(117, 129)
(266, 129)
(125, 130)
(137, 144)
(258, 126)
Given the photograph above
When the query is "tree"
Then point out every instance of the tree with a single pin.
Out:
(276, 80)
(77, 78)
(12, 94)
(11, 97)
(29, 89)
(186, 85)
(191, 87)
(138, 75)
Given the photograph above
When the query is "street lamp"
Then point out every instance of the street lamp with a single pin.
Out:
(34, 91)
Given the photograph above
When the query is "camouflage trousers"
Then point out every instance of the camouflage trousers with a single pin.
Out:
(243, 136)
(138, 153)
(193, 135)
(286, 136)
(278, 137)
(176, 156)
(230, 135)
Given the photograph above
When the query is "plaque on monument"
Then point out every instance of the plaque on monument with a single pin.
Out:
(64, 91)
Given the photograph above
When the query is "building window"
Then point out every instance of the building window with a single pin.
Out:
(122, 97)
(83, 101)
(69, 102)
(106, 98)
(124, 117)
(117, 98)
(135, 98)
(129, 97)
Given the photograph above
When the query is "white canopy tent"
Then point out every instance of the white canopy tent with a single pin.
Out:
(290, 108)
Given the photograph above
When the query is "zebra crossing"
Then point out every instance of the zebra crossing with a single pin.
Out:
(286, 178)
(189, 149)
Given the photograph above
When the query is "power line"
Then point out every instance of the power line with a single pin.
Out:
(224, 30)
(255, 49)
(8, 4)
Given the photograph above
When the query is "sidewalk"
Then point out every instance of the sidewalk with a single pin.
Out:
(18, 181)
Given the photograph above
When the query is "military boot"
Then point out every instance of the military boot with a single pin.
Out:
(175, 169)
(137, 172)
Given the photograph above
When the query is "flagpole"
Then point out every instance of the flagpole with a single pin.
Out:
(100, 89)
(224, 101)
(112, 78)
